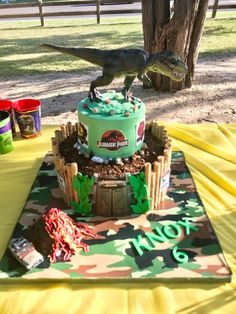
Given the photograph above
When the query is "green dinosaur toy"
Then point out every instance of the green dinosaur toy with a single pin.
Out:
(131, 63)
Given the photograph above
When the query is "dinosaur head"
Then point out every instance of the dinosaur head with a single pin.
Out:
(168, 64)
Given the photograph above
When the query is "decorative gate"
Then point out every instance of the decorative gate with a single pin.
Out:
(112, 198)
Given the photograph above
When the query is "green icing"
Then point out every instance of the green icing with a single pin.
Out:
(83, 185)
(74, 274)
(190, 266)
(211, 249)
(192, 208)
(207, 274)
(179, 256)
(111, 104)
(140, 193)
(111, 128)
(61, 266)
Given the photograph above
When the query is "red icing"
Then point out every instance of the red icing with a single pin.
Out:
(67, 234)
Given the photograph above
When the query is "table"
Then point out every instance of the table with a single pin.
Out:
(210, 152)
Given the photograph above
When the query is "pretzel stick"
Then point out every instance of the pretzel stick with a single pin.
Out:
(147, 126)
(61, 173)
(69, 128)
(77, 127)
(69, 182)
(55, 149)
(147, 171)
(157, 182)
(74, 172)
(161, 165)
(63, 131)
(152, 192)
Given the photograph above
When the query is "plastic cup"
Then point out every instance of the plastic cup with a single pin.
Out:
(6, 141)
(6, 104)
(28, 117)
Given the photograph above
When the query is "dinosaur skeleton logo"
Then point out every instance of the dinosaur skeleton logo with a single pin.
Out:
(113, 140)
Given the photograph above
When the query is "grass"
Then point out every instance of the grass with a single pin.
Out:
(219, 37)
(20, 53)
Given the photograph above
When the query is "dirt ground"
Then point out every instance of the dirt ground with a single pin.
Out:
(212, 99)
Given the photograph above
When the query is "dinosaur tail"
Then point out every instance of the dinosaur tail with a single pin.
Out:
(91, 55)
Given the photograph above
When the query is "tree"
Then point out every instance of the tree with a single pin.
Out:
(178, 29)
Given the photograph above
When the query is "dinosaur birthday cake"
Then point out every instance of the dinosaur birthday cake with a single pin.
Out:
(103, 164)
(111, 163)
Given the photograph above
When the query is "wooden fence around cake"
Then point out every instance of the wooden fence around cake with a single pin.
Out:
(156, 174)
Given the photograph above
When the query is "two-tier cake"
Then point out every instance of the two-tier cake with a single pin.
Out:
(108, 164)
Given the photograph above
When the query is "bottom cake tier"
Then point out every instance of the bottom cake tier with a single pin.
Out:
(113, 187)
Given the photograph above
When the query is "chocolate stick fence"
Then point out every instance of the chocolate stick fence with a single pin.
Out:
(156, 174)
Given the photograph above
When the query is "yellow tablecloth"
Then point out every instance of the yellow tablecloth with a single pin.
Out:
(210, 152)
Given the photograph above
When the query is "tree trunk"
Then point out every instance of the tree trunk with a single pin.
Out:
(179, 31)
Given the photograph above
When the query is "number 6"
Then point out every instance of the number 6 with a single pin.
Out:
(179, 256)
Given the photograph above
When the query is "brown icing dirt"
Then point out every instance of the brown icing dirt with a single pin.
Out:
(39, 237)
(115, 169)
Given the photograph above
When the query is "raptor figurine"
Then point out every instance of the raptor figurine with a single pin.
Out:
(130, 63)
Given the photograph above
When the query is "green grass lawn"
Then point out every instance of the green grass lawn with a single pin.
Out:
(20, 53)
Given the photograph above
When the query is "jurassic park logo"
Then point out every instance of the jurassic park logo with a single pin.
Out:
(112, 140)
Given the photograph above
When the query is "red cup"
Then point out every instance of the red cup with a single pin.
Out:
(28, 117)
(6, 105)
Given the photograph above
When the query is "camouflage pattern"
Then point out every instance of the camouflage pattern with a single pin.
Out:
(113, 256)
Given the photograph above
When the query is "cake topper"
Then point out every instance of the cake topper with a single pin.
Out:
(131, 63)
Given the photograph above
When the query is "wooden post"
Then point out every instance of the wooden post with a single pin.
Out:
(77, 127)
(62, 173)
(154, 129)
(40, 3)
(74, 172)
(152, 190)
(63, 132)
(58, 136)
(69, 182)
(98, 8)
(157, 169)
(160, 159)
(147, 126)
(69, 128)
(157, 132)
(214, 10)
(55, 148)
(148, 174)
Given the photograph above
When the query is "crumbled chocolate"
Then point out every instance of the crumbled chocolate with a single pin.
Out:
(134, 164)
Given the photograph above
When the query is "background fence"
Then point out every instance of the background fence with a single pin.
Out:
(95, 6)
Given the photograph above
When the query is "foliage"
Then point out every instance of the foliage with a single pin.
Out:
(219, 35)
(140, 193)
(83, 185)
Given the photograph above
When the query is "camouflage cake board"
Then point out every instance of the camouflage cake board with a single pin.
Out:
(181, 225)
